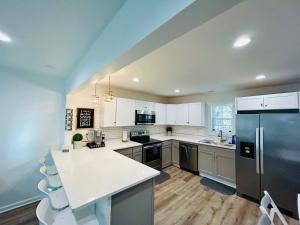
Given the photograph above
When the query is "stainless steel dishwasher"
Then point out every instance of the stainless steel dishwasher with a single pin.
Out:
(188, 156)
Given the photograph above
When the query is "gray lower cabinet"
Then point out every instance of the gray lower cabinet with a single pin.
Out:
(217, 163)
(166, 155)
(175, 153)
(135, 153)
(134, 206)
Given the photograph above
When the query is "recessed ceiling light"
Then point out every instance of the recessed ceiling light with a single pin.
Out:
(4, 37)
(260, 77)
(177, 90)
(242, 41)
(136, 80)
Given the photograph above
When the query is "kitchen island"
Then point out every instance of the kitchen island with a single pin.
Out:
(108, 184)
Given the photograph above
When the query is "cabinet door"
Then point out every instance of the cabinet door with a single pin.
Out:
(140, 105)
(137, 156)
(109, 113)
(206, 161)
(171, 114)
(197, 114)
(281, 101)
(125, 115)
(150, 106)
(160, 113)
(182, 114)
(166, 156)
(175, 153)
(250, 103)
(225, 165)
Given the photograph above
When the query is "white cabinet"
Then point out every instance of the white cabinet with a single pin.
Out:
(197, 114)
(108, 113)
(182, 114)
(171, 114)
(125, 115)
(160, 113)
(250, 103)
(281, 101)
(144, 105)
(268, 102)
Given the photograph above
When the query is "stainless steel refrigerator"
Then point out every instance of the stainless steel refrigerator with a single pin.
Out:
(268, 157)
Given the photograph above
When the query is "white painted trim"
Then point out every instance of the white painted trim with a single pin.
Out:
(19, 204)
(218, 180)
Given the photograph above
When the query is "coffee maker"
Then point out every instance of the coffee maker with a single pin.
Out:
(96, 139)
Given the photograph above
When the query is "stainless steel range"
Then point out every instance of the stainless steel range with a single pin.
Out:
(151, 148)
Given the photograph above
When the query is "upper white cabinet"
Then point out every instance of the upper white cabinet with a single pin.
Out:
(182, 114)
(125, 115)
(171, 114)
(250, 103)
(144, 105)
(281, 101)
(196, 114)
(160, 113)
(269, 102)
(108, 113)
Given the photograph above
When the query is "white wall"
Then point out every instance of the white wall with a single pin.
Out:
(32, 119)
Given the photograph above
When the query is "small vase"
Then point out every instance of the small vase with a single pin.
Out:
(77, 144)
(169, 133)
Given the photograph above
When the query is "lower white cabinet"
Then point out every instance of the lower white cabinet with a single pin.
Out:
(175, 153)
(166, 154)
(217, 164)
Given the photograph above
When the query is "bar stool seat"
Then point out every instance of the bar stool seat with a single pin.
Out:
(53, 180)
(47, 216)
(58, 198)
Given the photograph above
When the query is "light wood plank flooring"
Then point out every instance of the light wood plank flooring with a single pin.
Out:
(182, 200)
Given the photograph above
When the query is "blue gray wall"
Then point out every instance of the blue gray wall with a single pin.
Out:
(32, 119)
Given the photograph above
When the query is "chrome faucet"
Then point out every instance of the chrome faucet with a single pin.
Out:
(222, 139)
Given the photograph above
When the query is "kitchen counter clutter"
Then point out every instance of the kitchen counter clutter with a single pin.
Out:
(190, 139)
(100, 177)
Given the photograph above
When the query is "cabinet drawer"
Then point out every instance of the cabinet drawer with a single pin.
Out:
(125, 151)
(207, 148)
(137, 149)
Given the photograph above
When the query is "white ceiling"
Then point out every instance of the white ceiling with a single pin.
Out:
(203, 59)
(49, 37)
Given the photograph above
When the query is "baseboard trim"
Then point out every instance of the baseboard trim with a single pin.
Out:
(19, 204)
(218, 180)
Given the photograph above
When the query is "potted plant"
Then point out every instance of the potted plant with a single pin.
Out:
(169, 131)
(77, 138)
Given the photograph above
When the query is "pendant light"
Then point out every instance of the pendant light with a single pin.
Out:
(95, 99)
(109, 97)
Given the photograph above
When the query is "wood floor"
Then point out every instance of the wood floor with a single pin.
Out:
(181, 200)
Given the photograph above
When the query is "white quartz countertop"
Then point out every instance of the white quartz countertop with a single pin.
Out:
(190, 139)
(89, 175)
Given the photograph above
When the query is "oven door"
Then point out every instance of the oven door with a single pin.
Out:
(152, 156)
(144, 117)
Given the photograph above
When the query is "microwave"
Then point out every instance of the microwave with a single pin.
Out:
(143, 117)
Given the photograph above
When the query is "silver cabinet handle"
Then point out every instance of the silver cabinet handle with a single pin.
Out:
(261, 133)
(257, 150)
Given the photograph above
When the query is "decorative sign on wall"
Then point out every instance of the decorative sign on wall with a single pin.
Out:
(69, 119)
(85, 118)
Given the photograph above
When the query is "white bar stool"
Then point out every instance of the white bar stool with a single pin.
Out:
(51, 169)
(47, 216)
(58, 198)
(53, 180)
(267, 201)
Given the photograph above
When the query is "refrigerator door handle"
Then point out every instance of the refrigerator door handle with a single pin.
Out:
(261, 133)
(257, 150)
